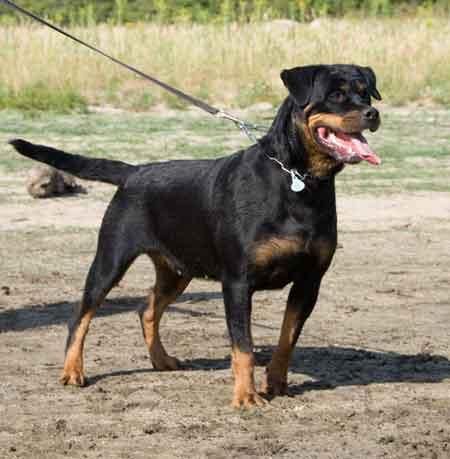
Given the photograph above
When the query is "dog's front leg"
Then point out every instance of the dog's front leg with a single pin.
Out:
(237, 298)
(301, 301)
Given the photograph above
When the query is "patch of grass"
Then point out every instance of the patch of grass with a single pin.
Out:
(230, 65)
(258, 91)
(84, 12)
(414, 145)
(412, 142)
(39, 97)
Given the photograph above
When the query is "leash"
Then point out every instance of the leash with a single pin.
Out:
(297, 179)
(244, 126)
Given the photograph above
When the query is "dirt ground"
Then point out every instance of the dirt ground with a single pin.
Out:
(370, 377)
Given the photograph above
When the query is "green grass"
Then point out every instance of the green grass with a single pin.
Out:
(82, 12)
(39, 97)
(229, 65)
(413, 142)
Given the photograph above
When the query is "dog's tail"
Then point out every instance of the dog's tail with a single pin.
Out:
(102, 170)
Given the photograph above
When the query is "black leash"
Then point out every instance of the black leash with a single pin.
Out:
(243, 125)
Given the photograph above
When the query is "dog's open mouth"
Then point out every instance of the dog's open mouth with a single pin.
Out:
(346, 147)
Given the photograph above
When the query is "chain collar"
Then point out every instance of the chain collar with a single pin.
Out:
(299, 180)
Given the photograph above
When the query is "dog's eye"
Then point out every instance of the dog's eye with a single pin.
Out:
(337, 96)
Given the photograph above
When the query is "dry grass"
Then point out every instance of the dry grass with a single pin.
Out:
(230, 65)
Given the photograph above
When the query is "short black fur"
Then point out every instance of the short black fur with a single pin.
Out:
(234, 219)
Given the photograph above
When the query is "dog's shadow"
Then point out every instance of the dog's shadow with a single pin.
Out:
(326, 367)
(332, 366)
(335, 366)
(48, 314)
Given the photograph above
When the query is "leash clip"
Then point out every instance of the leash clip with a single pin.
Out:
(244, 126)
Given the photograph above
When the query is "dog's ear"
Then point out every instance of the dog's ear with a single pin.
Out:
(299, 81)
(371, 79)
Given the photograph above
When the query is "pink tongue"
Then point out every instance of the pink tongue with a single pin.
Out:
(359, 146)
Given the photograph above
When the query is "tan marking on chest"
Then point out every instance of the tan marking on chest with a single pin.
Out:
(275, 248)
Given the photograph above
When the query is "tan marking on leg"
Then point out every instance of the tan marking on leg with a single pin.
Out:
(150, 323)
(167, 288)
(276, 247)
(276, 372)
(73, 372)
(245, 395)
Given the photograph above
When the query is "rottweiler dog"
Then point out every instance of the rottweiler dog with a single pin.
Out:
(258, 219)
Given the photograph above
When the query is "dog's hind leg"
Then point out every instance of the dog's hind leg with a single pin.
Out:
(118, 246)
(101, 278)
(168, 286)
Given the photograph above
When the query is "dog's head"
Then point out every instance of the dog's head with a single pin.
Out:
(333, 108)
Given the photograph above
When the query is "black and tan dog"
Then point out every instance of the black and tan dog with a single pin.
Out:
(244, 220)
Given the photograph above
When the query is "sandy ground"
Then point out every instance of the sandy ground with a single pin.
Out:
(370, 377)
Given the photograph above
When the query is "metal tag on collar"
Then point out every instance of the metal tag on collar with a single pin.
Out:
(297, 184)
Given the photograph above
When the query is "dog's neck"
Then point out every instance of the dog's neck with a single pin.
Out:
(287, 142)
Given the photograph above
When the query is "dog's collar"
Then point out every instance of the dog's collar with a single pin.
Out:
(298, 180)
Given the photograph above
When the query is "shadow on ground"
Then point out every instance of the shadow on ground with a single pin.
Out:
(45, 315)
(335, 366)
(331, 367)
(327, 367)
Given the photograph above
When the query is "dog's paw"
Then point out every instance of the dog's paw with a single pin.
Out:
(248, 400)
(73, 378)
(165, 363)
(274, 386)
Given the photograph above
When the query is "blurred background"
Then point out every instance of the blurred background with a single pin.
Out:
(227, 52)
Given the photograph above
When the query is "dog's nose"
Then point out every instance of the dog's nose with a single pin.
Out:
(371, 114)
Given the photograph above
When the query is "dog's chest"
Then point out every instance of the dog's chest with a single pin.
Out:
(279, 260)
